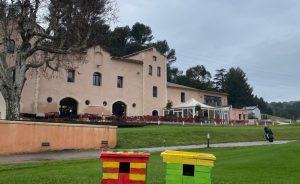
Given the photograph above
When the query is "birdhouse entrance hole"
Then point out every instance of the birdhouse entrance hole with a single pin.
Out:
(188, 170)
(124, 167)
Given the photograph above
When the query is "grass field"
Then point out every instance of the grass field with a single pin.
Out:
(170, 135)
(274, 164)
(275, 118)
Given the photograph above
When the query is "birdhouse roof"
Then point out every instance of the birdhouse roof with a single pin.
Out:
(125, 156)
(125, 153)
(190, 158)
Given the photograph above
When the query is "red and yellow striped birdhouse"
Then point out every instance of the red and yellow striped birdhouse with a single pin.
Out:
(124, 167)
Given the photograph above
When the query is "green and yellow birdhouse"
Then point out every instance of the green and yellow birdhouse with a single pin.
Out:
(188, 167)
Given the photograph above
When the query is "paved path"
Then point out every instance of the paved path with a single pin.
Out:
(73, 155)
(219, 145)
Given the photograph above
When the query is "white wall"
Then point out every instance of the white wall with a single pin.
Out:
(2, 107)
(257, 113)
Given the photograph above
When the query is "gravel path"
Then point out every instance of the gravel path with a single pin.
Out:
(74, 155)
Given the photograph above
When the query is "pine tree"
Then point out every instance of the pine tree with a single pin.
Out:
(219, 79)
(240, 92)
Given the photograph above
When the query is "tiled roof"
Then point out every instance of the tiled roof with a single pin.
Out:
(135, 53)
(251, 107)
(169, 84)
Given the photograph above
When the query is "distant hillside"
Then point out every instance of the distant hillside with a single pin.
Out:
(290, 110)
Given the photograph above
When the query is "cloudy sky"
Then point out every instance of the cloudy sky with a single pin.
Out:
(260, 36)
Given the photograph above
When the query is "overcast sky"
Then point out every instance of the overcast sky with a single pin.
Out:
(260, 36)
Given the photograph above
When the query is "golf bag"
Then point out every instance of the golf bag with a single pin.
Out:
(269, 134)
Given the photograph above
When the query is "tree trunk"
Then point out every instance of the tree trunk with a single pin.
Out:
(11, 88)
(13, 106)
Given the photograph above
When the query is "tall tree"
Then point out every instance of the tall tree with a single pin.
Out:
(262, 105)
(126, 40)
(118, 40)
(140, 38)
(219, 79)
(199, 73)
(100, 35)
(236, 85)
(65, 29)
(163, 47)
(196, 77)
(172, 72)
(141, 33)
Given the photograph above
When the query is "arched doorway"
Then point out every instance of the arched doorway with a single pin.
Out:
(119, 108)
(68, 107)
(155, 113)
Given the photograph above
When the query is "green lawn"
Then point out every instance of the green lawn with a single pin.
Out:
(170, 135)
(274, 164)
(275, 118)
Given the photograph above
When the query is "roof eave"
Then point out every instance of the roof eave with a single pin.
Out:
(195, 89)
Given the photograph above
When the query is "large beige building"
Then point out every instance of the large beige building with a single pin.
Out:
(132, 85)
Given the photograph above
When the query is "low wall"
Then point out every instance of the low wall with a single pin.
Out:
(23, 137)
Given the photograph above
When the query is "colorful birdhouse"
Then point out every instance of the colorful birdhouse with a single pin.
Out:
(188, 167)
(124, 167)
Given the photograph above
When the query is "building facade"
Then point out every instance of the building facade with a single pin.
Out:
(133, 85)
(180, 94)
(253, 112)
(238, 114)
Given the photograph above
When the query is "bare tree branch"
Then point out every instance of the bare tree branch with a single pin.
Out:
(52, 50)
(38, 62)
(66, 28)
(44, 35)
(55, 68)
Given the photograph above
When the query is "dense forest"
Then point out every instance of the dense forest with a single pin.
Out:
(289, 110)
(233, 81)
